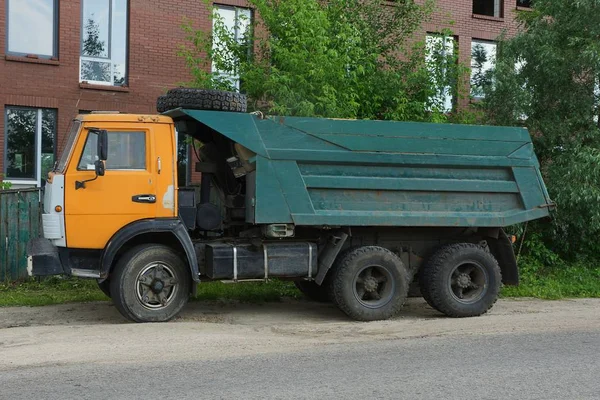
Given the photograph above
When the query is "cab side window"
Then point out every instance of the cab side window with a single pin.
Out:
(126, 150)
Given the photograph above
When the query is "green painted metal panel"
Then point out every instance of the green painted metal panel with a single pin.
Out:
(293, 186)
(403, 129)
(415, 219)
(409, 184)
(417, 201)
(387, 171)
(529, 186)
(525, 152)
(20, 213)
(423, 146)
(240, 126)
(431, 160)
(315, 171)
(270, 205)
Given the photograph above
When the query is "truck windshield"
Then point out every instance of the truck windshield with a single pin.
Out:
(66, 153)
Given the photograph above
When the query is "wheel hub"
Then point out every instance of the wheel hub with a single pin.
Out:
(157, 286)
(371, 284)
(463, 281)
(374, 286)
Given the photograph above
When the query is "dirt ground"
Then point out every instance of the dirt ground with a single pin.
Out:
(96, 332)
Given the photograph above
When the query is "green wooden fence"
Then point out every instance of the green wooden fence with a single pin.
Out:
(20, 214)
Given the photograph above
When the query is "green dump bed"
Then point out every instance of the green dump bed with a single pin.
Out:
(328, 172)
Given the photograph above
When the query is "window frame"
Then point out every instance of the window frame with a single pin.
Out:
(55, 34)
(38, 144)
(500, 9)
(235, 79)
(449, 95)
(480, 41)
(109, 131)
(82, 58)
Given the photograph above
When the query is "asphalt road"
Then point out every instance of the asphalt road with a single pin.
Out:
(310, 355)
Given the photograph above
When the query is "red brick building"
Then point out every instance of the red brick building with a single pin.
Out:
(62, 57)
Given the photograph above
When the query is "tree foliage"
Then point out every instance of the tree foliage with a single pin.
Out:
(335, 58)
(547, 78)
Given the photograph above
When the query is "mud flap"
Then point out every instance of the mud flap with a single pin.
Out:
(42, 258)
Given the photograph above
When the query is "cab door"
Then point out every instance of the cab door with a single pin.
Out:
(126, 193)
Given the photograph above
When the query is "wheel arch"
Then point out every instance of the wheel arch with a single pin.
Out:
(170, 232)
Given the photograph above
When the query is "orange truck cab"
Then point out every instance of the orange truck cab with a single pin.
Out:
(351, 211)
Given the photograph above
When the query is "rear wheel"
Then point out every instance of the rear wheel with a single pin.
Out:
(150, 283)
(461, 280)
(369, 283)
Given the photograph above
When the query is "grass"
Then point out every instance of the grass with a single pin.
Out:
(72, 290)
(562, 281)
(566, 281)
(49, 291)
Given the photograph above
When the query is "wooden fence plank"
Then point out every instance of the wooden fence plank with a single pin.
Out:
(20, 213)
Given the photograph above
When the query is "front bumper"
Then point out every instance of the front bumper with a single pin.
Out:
(43, 258)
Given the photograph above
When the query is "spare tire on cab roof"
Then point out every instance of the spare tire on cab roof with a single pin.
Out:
(201, 99)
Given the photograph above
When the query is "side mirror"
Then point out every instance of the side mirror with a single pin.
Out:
(99, 166)
(102, 146)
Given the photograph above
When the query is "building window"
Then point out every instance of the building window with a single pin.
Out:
(491, 8)
(524, 3)
(103, 58)
(30, 144)
(32, 27)
(439, 51)
(235, 21)
(483, 60)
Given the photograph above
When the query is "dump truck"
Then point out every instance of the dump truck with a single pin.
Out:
(352, 211)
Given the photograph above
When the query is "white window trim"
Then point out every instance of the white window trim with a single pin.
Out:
(97, 59)
(38, 150)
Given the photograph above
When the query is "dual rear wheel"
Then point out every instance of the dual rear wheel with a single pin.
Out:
(461, 280)
(371, 283)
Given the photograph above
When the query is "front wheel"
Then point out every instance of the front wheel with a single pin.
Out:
(150, 283)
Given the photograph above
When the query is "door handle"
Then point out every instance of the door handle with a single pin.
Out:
(144, 198)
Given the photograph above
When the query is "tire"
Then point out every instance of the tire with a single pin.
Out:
(161, 104)
(104, 286)
(201, 99)
(369, 283)
(319, 293)
(150, 283)
(461, 280)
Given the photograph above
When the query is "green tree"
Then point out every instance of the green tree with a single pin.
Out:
(337, 58)
(547, 78)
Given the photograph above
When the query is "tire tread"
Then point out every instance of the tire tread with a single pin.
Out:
(201, 99)
(433, 289)
(345, 263)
